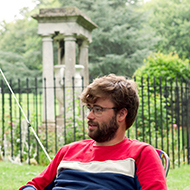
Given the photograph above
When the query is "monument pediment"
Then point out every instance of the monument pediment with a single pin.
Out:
(65, 14)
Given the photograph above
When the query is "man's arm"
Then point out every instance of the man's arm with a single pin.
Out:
(47, 176)
(28, 187)
(150, 171)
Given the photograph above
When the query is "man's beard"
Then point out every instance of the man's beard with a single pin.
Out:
(104, 132)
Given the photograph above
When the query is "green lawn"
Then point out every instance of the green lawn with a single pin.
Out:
(12, 176)
(179, 178)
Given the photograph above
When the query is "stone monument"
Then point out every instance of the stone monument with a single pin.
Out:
(68, 27)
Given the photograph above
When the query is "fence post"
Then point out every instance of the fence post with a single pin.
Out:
(155, 114)
(188, 120)
(148, 85)
(19, 90)
(161, 115)
(36, 93)
(45, 110)
(3, 117)
(166, 95)
(182, 119)
(55, 114)
(11, 119)
(27, 90)
(74, 127)
(142, 93)
(64, 110)
(171, 102)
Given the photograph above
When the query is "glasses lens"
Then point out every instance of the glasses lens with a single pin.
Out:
(97, 110)
(87, 110)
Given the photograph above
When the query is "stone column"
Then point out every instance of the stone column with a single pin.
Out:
(59, 52)
(70, 59)
(48, 97)
(83, 60)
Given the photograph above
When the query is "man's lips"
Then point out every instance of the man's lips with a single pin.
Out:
(92, 125)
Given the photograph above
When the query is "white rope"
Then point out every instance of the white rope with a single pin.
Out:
(26, 117)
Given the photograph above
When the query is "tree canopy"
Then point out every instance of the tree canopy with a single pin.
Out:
(128, 31)
(165, 66)
(119, 45)
(123, 38)
(171, 21)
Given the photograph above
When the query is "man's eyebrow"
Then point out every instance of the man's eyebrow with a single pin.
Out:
(94, 105)
(97, 105)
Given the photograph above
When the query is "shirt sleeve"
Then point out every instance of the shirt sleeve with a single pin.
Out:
(48, 174)
(150, 171)
(28, 187)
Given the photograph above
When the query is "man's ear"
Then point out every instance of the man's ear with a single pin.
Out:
(122, 114)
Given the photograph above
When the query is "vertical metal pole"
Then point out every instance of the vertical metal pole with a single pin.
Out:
(167, 127)
(177, 113)
(11, 120)
(136, 124)
(3, 116)
(173, 155)
(83, 118)
(74, 127)
(64, 104)
(20, 118)
(182, 119)
(27, 89)
(155, 114)
(188, 120)
(148, 89)
(161, 115)
(36, 93)
(55, 114)
(142, 93)
(46, 127)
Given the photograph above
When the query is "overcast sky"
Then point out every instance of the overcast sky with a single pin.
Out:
(10, 8)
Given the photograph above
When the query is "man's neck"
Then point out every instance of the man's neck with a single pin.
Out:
(111, 142)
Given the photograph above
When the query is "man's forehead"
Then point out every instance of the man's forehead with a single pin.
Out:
(101, 100)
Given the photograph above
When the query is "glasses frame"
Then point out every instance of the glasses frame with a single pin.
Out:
(97, 112)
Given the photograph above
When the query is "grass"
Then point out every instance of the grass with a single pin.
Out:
(13, 176)
(178, 179)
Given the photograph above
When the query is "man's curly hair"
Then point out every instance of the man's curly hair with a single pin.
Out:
(121, 91)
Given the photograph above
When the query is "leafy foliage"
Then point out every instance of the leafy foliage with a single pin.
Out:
(173, 73)
(21, 39)
(123, 38)
(160, 65)
(20, 49)
(170, 20)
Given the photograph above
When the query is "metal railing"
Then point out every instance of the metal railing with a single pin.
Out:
(163, 118)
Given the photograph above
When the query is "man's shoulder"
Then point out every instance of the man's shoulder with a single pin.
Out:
(139, 146)
(135, 142)
(81, 143)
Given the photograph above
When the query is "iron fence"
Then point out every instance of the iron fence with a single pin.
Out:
(162, 121)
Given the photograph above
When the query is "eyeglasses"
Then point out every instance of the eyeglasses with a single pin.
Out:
(97, 110)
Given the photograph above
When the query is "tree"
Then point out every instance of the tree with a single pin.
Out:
(122, 40)
(20, 37)
(165, 66)
(119, 46)
(13, 67)
(163, 79)
(170, 20)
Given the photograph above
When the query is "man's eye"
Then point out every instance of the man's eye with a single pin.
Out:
(98, 109)
(88, 107)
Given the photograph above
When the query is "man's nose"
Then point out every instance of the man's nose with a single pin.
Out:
(91, 114)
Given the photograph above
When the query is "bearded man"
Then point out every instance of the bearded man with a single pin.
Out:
(109, 160)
